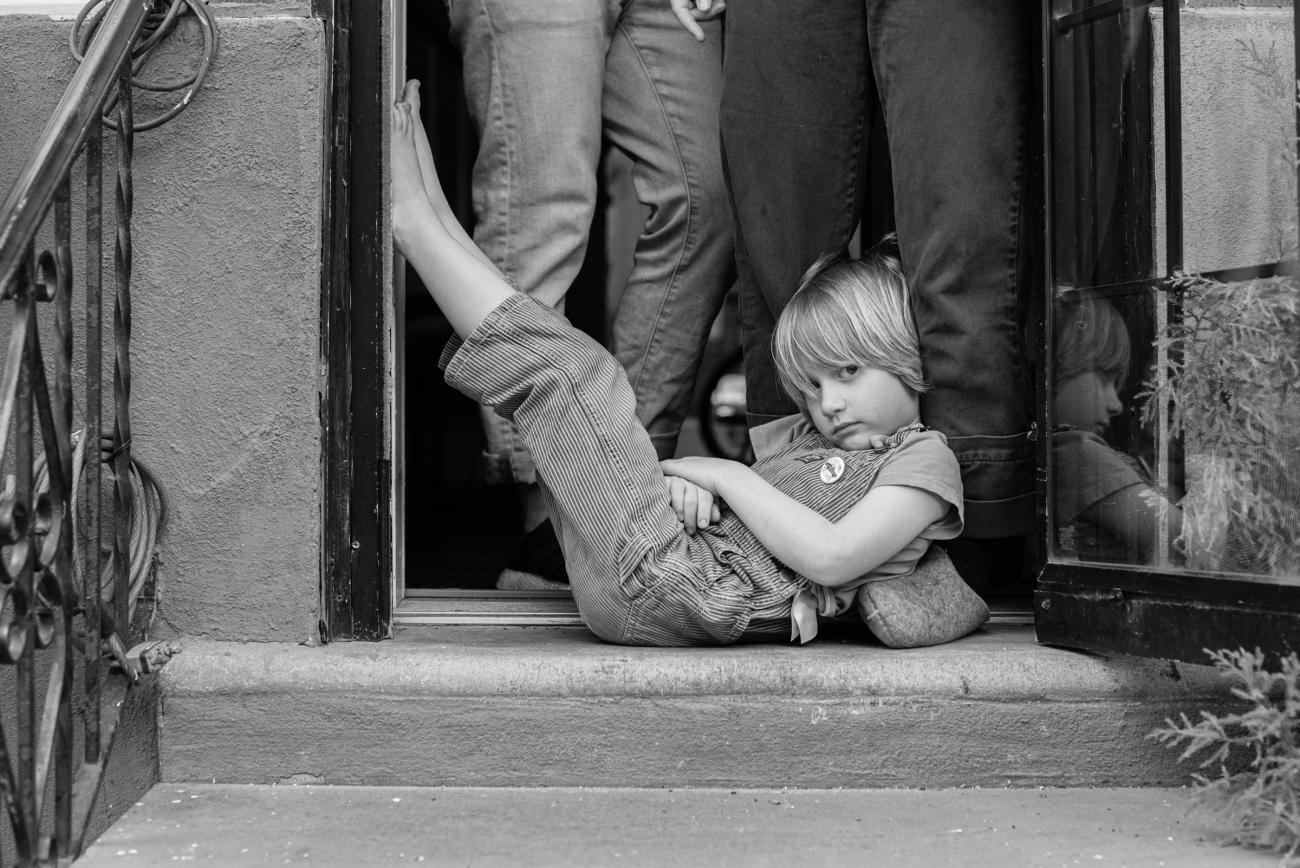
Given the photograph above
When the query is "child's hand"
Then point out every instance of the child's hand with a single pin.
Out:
(695, 506)
(707, 473)
(693, 486)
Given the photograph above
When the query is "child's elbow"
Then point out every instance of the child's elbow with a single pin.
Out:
(833, 568)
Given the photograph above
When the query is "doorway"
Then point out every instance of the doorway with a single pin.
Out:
(457, 527)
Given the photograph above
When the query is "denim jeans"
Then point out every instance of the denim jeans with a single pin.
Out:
(802, 81)
(544, 80)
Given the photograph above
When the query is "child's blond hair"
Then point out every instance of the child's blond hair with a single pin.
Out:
(848, 312)
(1090, 335)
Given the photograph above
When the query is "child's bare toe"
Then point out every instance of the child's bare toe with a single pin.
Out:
(411, 94)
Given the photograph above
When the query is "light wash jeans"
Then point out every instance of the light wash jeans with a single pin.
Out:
(804, 80)
(544, 80)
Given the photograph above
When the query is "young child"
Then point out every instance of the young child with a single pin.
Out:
(1105, 507)
(700, 550)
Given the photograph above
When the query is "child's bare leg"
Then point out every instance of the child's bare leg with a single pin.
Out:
(464, 287)
(531, 501)
(432, 187)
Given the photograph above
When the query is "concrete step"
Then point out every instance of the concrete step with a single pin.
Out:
(360, 826)
(549, 707)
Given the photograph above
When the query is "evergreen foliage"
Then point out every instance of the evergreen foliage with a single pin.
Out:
(1229, 386)
(1258, 801)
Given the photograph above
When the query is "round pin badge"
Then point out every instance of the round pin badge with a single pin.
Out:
(832, 469)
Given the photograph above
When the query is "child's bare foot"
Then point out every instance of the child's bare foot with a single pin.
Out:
(410, 204)
(432, 187)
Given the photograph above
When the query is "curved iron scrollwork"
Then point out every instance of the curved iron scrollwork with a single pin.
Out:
(60, 597)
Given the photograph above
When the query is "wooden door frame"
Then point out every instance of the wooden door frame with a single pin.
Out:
(356, 467)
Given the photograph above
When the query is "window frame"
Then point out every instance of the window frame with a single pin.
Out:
(1142, 611)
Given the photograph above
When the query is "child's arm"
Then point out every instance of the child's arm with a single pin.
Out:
(1133, 514)
(828, 553)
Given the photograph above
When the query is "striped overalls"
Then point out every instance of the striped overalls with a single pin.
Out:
(637, 576)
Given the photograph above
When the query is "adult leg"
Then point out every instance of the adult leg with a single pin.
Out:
(796, 108)
(953, 76)
(662, 90)
(533, 74)
(533, 80)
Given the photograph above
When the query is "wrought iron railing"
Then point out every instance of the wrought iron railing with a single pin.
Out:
(63, 599)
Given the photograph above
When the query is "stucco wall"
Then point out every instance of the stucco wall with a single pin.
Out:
(226, 310)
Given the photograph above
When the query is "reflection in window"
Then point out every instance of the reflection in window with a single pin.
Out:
(1107, 505)
(1175, 347)
(1102, 138)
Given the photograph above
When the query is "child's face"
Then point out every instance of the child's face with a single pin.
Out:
(852, 404)
(1087, 402)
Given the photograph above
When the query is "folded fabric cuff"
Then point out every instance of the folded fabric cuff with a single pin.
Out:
(803, 617)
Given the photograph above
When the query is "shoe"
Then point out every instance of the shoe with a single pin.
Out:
(538, 552)
(513, 580)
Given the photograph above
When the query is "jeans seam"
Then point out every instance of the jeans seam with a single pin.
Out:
(688, 235)
(497, 99)
(1014, 253)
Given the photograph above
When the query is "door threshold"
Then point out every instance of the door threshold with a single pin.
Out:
(558, 609)
(501, 608)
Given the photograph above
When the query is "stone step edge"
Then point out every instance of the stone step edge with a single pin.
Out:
(555, 707)
(998, 665)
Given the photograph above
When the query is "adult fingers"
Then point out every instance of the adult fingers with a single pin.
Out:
(684, 10)
(706, 11)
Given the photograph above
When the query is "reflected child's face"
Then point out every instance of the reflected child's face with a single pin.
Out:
(1087, 402)
(852, 404)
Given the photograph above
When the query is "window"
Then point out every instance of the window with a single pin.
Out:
(1172, 329)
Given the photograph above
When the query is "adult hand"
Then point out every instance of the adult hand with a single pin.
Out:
(690, 12)
(695, 506)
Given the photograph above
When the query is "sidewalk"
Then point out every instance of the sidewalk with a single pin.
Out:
(243, 825)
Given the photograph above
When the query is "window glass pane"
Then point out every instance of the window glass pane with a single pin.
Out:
(1175, 427)
(1102, 171)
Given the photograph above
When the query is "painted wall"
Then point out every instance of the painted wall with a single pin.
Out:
(226, 311)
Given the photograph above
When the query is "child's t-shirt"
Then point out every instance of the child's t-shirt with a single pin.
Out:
(1087, 470)
(797, 459)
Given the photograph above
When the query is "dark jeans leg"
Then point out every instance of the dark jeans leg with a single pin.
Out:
(953, 76)
(797, 101)
(662, 90)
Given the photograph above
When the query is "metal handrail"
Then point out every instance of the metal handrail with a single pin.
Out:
(40, 586)
(77, 113)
